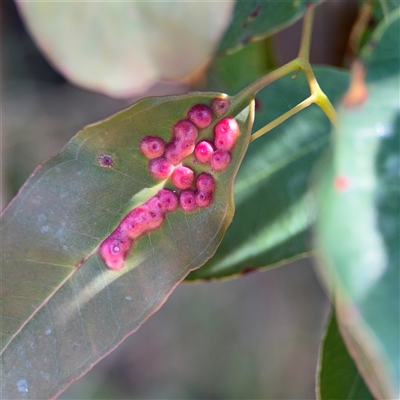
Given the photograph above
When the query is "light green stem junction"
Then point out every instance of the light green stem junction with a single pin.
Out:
(301, 63)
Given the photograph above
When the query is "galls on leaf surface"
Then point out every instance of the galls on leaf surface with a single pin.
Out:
(182, 177)
(205, 182)
(114, 249)
(225, 134)
(203, 152)
(184, 129)
(187, 200)
(212, 155)
(152, 147)
(169, 200)
(200, 115)
(220, 106)
(204, 198)
(160, 168)
(220, 160)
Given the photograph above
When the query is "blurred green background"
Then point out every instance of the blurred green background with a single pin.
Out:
(256, 337)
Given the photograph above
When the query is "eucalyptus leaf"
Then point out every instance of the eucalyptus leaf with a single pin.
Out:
(123, 48)
(358, 228)
(62, 309)
(338, 377)
(254, 20)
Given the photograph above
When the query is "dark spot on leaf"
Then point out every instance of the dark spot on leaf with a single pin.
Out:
(256, 11)
(246, 40)
(252, 16)
(248, 271)
(106, 160)
(258, 105)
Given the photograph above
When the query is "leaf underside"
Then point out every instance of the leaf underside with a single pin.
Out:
(62, 309)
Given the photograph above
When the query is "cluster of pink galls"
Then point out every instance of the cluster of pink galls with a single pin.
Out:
(166, 162)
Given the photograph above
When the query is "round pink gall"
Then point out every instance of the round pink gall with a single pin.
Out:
(220, 106)
(184, 129)
(182, 177)
(160, 168)
(225, 134)
(200, 115)
(220, 160)
(187, 200)
(152, 147)
(114, 249)
(205, 182)
(169, 200)
(203, 152)
(203, 198)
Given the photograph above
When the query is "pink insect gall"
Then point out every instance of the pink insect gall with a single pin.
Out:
(187, 200)
(185, 146)
(152, 147)
(220, 106)
(114, 249)
(205, 182)
(177, 150)
(200, 115)
(220, 160)
(160, 168)
(203, 152)
(182, 177)
(169, 200)
(226, 133)
(156, 213)
(184, 129)
(203, 198)
(136, 222)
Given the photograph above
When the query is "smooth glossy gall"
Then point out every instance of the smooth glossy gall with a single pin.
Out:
(225, 134)
(200, 115)
(220, 160)
(203, 152)
(160, 168)
(152, 147)
(182, 177)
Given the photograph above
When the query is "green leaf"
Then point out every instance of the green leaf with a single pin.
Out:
(254, 20)
(359, 206)
(232, 72)
(62, 309)
(383, 8)
(123, 48)
(338, 376)
(273, 214)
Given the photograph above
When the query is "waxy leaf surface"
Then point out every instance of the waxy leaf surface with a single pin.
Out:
(273, 214)
(123, 48)
(358, 226)
(254, 20)
(62, 309)
(338, 376)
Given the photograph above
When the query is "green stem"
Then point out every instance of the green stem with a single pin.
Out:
(254, 87)
(301, 63)
(306, 32)
(301, 106)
